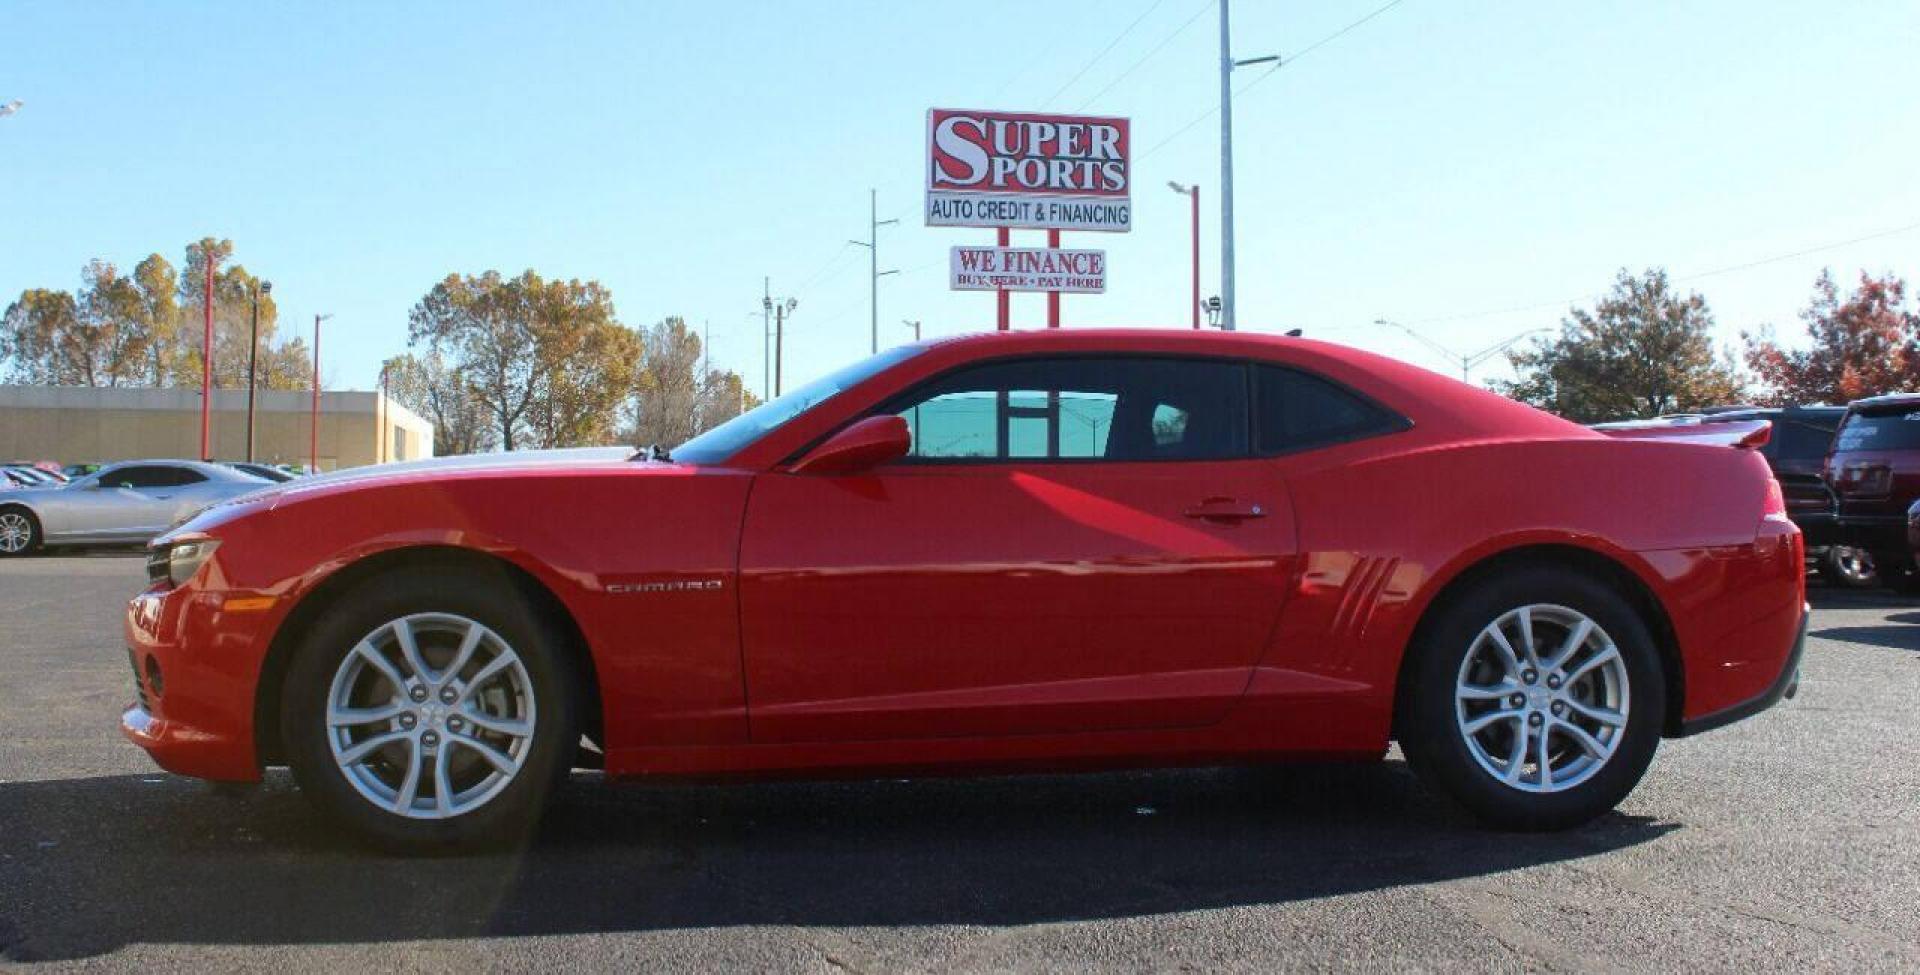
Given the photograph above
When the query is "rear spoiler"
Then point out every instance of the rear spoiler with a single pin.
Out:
(1739, 434)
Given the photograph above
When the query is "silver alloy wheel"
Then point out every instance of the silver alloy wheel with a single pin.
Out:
(1853, 566)
(431, 716)
(16, 532)
(1541, 700)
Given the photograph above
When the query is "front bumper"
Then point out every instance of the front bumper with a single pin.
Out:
(1786, 685)
(196, 666)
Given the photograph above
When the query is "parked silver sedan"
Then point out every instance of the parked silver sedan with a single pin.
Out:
(121, 504)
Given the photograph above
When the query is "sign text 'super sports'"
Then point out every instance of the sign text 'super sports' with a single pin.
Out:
(1030, 170)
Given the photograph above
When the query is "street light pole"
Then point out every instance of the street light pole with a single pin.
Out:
(910, 323)
(1228, 305)
(872, 244)
(1193, 192)
(253, 358)
(1230, 308)
(313, 429)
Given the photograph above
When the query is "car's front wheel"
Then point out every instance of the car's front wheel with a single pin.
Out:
(1534, 699)
(19, 532)
(431, 711)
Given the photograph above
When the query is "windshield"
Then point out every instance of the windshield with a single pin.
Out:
(731, 437)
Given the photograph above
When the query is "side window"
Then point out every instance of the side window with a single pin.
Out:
(180, 476)
(1118, 408)
(137, 477)
(1296, 410)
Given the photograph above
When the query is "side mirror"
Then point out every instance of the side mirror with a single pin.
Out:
(863, 446)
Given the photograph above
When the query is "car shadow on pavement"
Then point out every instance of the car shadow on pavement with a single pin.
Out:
(1902, 632)
(92, 864)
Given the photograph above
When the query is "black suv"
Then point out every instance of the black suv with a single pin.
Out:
(1797, 452)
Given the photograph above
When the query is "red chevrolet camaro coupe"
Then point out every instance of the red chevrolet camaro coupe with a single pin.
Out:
(1012, 551)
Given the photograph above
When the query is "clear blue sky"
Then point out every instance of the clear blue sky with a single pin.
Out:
(1445, 160)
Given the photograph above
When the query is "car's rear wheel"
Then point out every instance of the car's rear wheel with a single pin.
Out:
(1534, 699)
(19, 532)
(431, 712)
(1847, 566)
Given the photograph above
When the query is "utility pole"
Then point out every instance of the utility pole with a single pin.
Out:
(313, 430)
(1229, 306)
(206, 359)
(253, 359)
(872, 244)
(777, 310)
(766, 337)
(781, 310)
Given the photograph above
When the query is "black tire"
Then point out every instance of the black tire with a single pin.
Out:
(1430, 732)
(1849, 568)
(17, 515)
(488, 597)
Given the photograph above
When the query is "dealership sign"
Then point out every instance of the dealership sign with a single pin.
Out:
(1028, 170)
(1027, 269)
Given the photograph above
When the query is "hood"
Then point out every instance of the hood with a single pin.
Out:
(499, 460)
(270, 495)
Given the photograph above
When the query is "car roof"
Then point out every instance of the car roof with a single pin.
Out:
(1887, 401)
(220, 471)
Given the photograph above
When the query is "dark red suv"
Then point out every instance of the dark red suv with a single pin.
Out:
(1874, 471)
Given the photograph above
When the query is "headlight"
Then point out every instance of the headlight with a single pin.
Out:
(178, 561)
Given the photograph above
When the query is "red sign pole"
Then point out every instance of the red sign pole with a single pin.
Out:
(1005, 299)
(206, 363)
(1053, 297)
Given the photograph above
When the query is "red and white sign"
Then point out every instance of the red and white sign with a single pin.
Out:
(1028, 170)
(1027, 269)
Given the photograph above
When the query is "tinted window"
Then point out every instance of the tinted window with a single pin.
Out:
(184, 475)
(1880, 431)
(1107, 408)
(138, 476)
(1801, 441)
(1298, 410)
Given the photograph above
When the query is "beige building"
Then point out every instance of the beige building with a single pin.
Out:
(90, 424)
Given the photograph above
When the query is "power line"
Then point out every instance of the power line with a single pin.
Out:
(1157, 48)
(1077, 75)
(1336, 35)
(1289, 59)
(1729, 269)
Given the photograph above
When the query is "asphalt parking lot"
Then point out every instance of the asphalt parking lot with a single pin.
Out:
(1786, 842)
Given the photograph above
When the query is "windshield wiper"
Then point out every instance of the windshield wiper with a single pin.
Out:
(654, 452)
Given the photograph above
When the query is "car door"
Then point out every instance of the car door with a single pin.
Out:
(1073, 545)
(131, 501)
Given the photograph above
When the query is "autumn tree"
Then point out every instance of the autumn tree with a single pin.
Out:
(427, 386)
(36, 338)
(159, 315)
(678, 396)
(547, 360)
(1863, 344)
(1641, 351)
(280, 365)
